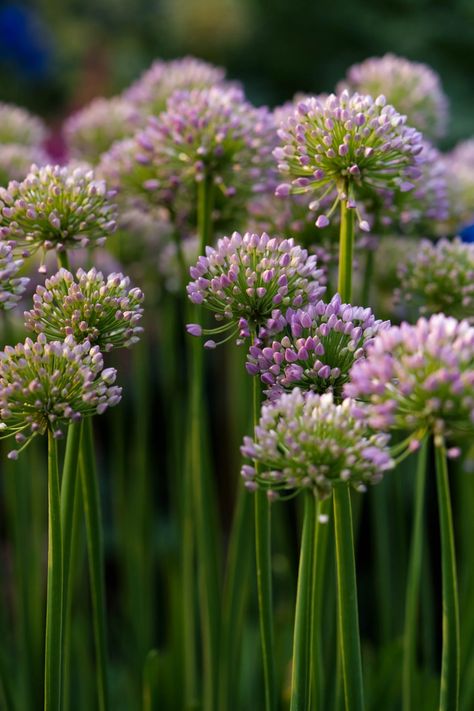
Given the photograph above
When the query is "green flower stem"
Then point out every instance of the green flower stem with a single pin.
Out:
(347, 600)
(264, 574)
(54, 604)
(63, 260)
(346, 251)
(90, 493)
(301, 677)
(449, 692)
(413, 583)
(318, 590)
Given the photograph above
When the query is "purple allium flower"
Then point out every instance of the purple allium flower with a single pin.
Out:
(248, 282)
(459, 165)
(440, 278)
(46, 385)
(15, 161)
(88, 307)
(92, 130)
(412, 88)
(316, 353)
(56, 208)
(11, 286)
(306, 441)
(18, 126)
(419, 377)
(344, 147)
(151, 91)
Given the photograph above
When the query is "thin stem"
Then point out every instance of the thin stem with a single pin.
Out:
(54, 604)
(90, 493)
(318, 593)
(413, 582)
(450, 664)
(63, 260)
(346, 250)
(301, 677)
(347, 600)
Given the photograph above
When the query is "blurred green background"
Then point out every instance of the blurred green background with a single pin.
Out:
(56, 55)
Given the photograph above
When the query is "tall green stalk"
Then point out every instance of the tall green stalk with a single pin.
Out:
(54, 604)
(347, 600)
(346, 252)
(450, 664)
(413, 583)
(318, 590)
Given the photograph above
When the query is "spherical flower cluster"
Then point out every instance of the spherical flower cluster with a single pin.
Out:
(419, 377)
(309, 442)
(412, 88)
(439, 278)
(105, 312)
(151, 91)
(16, 160)
(46, 385)
(248, 282)
(19, 126)
(459, 166)
(318, 350)
(11, 286)
(92, 130)
(56, 208)
(345, 146)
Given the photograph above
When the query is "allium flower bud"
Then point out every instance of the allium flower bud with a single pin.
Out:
(18, 126)
(309, 442)
(105, 312)
(439, 278)
(56, 208)
(412, 88)
(11, 286)
(46, 385)
(250, 281)
(419, 378)
(317, 350)
(344, 147)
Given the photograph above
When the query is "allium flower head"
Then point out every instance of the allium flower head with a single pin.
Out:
(105, 312)
(248, 282)
(440, 278)
(92, 130)
(16, 160)
(56, 208)
(345, 146)
(151, 91)
(412, 88)
(316, 353)
(11, 286)
(309, 442)
(46, 385)
(459, 165)
(19, 126)
(419, 377)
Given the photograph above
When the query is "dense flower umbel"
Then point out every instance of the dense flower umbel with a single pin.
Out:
(419, 377)
(459, 164)
(306, 441)
(151, 91)
(346, 145)
(46, 385)
(11, 286)
(440, 278)
(19, 126)
(412, 88)
(320, 345)
(250, 281)
(89, 307)
(16, 160)
(92, 130)
(56, 208)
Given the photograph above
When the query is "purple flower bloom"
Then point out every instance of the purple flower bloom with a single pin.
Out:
(11, 286)
(419, 377)
(16, 160)
(309, 442)
(20, 127)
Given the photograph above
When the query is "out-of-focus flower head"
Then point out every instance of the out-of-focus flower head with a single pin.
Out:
(104, 311)
(11, 286)
(47, 385)
(56, 208)
(19, 126)
(345, 147)
(16, 160)
(307, 441)
(317, 350)
(439, 278)
(412, 88)
(249, 282)
(173, 261)
(418, 378)
(459, 166)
